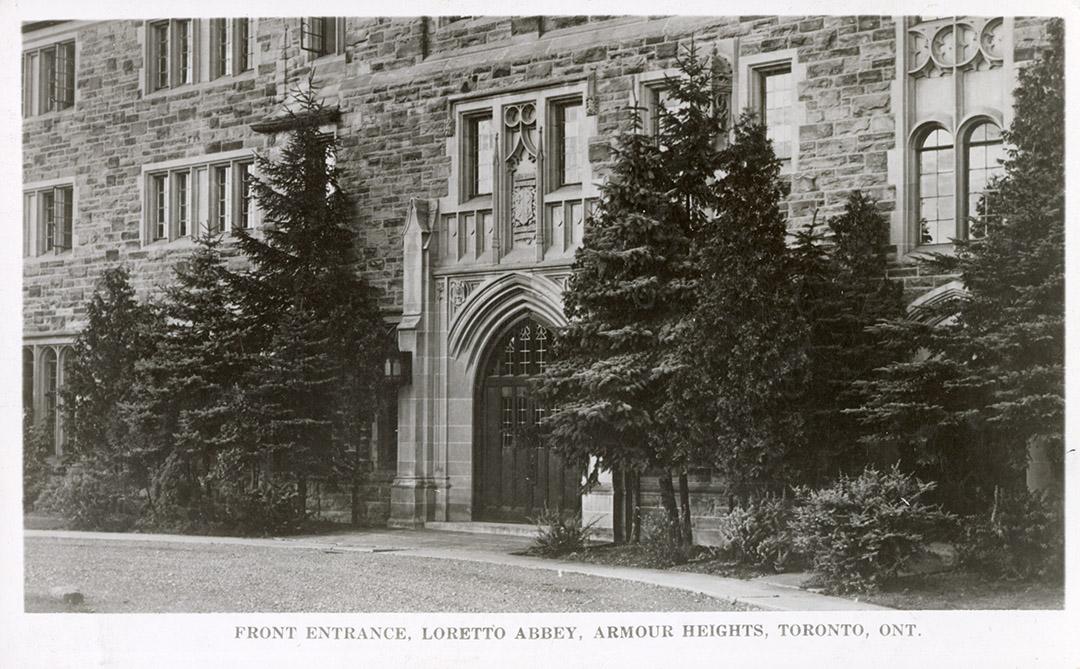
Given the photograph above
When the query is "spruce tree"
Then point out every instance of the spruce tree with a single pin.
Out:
(742, 345)
(180, 408)
(632, 284)
(987, 384)
(313, 323)
(842, 291)
(120, 331)
(628, 283)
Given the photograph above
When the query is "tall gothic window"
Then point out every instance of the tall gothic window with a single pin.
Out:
(567, 135)
(985, 151)
(775, 91)
(937, 208)
(479, 156)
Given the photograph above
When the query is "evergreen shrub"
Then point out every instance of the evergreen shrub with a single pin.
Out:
(37, 446)
(264, 509)
(861, 531)
(1021, 537)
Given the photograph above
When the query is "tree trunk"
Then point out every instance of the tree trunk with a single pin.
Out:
(684, 502)
(667, 500)
(635, 506)
(620, 521)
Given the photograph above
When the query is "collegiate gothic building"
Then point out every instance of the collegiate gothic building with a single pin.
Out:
(473, 147)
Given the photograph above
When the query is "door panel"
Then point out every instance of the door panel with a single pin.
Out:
(515, 480)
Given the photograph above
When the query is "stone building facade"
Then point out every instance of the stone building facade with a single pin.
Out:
(473, 147)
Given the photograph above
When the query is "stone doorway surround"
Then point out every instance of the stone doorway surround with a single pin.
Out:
(448, 322)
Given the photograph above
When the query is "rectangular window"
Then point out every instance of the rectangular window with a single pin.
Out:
(220, 221)
(244, 45)
(180, 205)
(54, 215)
(28, 224)
(187, 51)
(658, 100)
(48, 220)
(203, 199)
(160, 50)
(48, 78)
(243, 217)
(221, 48)
(479, 156)
(775, 91)
(319, 35)
(183, 52)
(567, 135)
(161, 207)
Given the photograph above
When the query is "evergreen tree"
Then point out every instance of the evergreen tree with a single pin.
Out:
(180, 409)
(632, 284)
(742, 345)
(988, 384)
(841, 291)
(313, 322)
(119, 332)
(628, 283)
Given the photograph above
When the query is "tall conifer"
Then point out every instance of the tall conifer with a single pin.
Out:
(315, 326)
(986, 386)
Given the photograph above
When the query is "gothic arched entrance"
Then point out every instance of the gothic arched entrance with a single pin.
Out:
(516, 476)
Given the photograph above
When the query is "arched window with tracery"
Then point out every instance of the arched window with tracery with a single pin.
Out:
(937, 187)
(526, 351)
(985, 151)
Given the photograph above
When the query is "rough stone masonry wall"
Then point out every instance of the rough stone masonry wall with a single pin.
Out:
(392, 85)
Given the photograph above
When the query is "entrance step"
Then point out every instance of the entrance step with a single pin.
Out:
(505, 529)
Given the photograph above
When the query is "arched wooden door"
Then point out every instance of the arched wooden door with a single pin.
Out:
(515, 476)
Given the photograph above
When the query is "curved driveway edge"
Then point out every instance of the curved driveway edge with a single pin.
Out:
(479, 548)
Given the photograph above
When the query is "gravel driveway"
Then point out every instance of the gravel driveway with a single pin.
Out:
(120, 576)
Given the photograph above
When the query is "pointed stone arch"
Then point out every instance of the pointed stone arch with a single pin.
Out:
(494, 306)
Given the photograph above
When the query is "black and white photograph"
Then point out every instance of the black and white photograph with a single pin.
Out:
(554, 339)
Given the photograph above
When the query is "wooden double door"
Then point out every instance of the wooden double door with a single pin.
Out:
(516, 474)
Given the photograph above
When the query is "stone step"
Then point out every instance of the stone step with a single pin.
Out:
(506, 529)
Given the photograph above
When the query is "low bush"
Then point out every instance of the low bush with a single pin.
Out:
(265, 509)
(861, 531)
(37, 447)
(90, 496)
(758, 535)
(1021, 537)
(658, 541)
(559, 533)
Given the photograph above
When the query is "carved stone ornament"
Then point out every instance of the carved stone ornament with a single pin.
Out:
(935, 48)
(523, 206)
(457, 293)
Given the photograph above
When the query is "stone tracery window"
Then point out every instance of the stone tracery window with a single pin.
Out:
(957, 68)
(525, 351)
